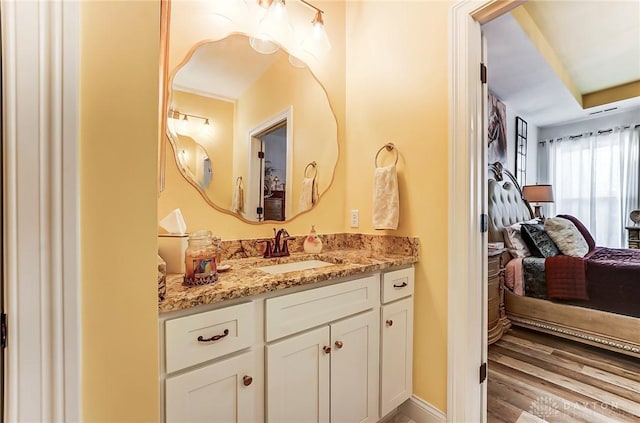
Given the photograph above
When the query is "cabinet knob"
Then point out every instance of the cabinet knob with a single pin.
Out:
(247, 380)
(389, 322)
(338, 344)
(326, 349)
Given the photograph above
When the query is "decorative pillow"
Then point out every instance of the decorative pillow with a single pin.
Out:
(513, 240)
(566, 236)
(538, 241)
(515, 243)
(583, 230)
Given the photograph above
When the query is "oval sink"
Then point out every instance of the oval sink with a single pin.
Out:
(295, 266)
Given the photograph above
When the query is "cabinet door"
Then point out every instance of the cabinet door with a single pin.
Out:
(354, 368)
(298, 378)
(397, 354)
(221, 392)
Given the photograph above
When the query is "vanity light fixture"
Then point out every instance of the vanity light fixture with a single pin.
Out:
(182, 119)
(275, 28)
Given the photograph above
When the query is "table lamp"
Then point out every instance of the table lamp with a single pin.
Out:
(538, 194)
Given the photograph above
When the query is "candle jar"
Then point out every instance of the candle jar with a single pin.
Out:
(199, 259)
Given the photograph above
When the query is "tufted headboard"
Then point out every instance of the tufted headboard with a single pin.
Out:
(506, 205)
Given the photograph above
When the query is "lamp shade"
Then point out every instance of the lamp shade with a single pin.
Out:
(538, 193)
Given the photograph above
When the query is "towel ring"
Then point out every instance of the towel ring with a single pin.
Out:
(389, 147)
(312, 165)
(239, 181)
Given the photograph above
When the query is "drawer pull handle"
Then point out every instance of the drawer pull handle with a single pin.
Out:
(214, 337)
(339, 344)
(402, 285)
(389, 322)
(326, 349)
(247, 380)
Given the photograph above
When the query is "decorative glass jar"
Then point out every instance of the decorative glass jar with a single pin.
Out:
(199, 259)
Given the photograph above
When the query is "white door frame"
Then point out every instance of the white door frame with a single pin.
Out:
(253, 173)
(467, 174)
(41, 218)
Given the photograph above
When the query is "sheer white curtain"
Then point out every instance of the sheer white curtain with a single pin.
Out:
(595, 177)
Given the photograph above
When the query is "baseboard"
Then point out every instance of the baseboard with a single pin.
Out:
(421, 411)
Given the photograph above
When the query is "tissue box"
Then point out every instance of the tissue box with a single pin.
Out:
(171, 248)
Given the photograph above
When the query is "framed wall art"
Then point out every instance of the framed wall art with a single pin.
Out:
(497, 131)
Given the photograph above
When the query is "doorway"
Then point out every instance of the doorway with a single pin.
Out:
(270, 169)
(273, 145)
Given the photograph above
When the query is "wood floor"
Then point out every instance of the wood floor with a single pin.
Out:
(535, 377)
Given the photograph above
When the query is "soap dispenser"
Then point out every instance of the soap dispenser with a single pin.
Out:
(312, 243)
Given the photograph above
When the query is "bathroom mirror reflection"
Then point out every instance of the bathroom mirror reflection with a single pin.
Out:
(244, 126)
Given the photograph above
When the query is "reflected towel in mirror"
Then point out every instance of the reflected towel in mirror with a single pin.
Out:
(309, 194)
(237, 202)
(386, 202)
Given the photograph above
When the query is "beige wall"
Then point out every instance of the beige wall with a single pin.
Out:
(397, 92)
(396, 74)
(118, 137)
(314, 125)
(216, 140)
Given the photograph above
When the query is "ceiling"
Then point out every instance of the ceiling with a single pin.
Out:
(223, 69)
(580, 51)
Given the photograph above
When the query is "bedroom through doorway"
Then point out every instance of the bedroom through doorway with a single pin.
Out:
(533, 374)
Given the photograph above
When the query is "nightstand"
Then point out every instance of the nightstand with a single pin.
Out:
(634, 237)
(497, 322)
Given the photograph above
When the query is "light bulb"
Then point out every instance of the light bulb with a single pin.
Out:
(273, 28)
(205, 130)
(263, 46)
(183, 125)
(317, 42)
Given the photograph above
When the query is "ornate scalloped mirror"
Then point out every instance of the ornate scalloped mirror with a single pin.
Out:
(245, 128)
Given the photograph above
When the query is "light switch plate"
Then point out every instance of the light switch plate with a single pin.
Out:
(355, 218)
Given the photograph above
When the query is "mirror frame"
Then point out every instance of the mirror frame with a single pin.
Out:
(167, 77)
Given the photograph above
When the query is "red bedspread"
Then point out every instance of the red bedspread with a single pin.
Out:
(566, 278)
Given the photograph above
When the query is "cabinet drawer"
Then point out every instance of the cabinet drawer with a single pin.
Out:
(194, 339)
(303, 310)
(493, 265)
(397, 284)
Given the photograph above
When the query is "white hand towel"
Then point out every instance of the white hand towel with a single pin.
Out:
(308, 195)
(386, 203)
(237, 202)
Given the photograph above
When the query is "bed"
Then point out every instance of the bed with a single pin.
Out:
(593, 320)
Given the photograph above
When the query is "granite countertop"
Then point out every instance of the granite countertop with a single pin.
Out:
(243, 279)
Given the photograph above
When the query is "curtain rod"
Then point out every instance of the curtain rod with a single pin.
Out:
(598, 132)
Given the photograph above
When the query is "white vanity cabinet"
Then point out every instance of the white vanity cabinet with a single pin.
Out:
(221, 392)
(337, 353)
(328, 373)
(213, 366)
(396, 339)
